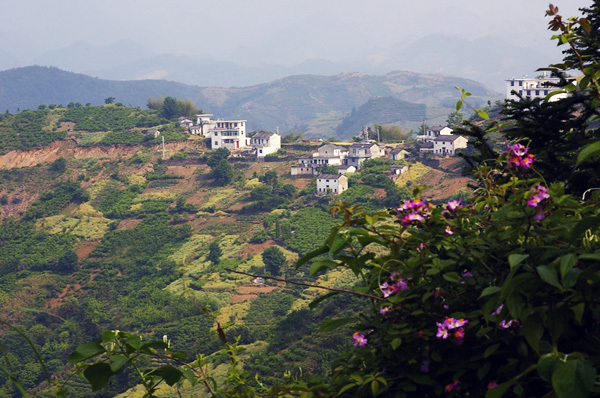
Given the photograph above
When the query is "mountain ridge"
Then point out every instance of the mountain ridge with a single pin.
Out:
(292, 103)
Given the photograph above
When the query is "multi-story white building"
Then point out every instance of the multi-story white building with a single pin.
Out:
(532, 87)
(326, 155)
(359, 152)
(230, 134)
(265, 143)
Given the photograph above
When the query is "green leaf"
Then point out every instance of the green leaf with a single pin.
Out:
(85, 351)
(483, 115)
(311, 255)
(490, 350)
(396, 343)
(516, 259)
(179, 355)
(499, 390)
(588, 153)
(578, 311)
(316, 301)
(116, 362)
(546, 366)
(451, 277)
(488, 291)
(573, 379)
(566, 263)
(329, 325)
(170, 374)
(319, 266)
(458, 105)
(548, 275)
(98, 375)
(571, 278)
(533, 331)
(338, 244)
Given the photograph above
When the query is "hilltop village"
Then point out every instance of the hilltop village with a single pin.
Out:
(329, 162)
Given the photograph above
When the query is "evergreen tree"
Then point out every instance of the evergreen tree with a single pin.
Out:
(214, 252)
(274, 259)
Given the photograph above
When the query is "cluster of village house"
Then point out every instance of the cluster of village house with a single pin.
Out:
(231, 134)
(438, 140)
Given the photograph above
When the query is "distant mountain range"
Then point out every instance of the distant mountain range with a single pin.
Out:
(489, 60)
(310, 103)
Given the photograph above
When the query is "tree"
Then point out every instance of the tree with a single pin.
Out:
(274, 259)
(109, 100)
(170, 109)
(269, 178)
(214, 252)
(222, 173)
(454, 119)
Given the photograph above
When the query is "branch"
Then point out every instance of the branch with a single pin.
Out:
(309, 285)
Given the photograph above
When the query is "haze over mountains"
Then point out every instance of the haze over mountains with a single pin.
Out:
(233, 43)
(489, 60)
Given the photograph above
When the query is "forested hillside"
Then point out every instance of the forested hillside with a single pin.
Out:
(100, 233)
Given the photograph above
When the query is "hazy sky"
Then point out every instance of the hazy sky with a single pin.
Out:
(282, 31)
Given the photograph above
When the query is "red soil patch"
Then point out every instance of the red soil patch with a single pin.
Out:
(85, 248)
(240, 298)
(128, 224)
(300, 183)
(255, 248)
(250, 292)
(186, 171)
(442, 185)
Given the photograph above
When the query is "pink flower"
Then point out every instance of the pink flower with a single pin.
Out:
(505, 325)
(452, 386)
(459, 335)
(492, 385)
(359, 339)
(387, 289)
(448, 231)
(497, 312)
(527, 161)
(541, 193)
(452, 323)
(467, 275)
(540, 215)
(442, 331)
(517, 149)
(454, 204)
(385, 310)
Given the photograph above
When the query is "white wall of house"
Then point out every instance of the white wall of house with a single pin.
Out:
(328, 183)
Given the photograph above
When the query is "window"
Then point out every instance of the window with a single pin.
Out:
(216, 143)
(537, 92)
(528, 92)
(520, 83)
(512, 83)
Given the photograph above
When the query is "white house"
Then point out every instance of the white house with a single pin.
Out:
(448, 144)
(326, 155)
(230, 134)
(265, 143)
(532, 87)
(345, 169)
(359, 152)
(399, 153)
(331, 183)
(433, 132)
